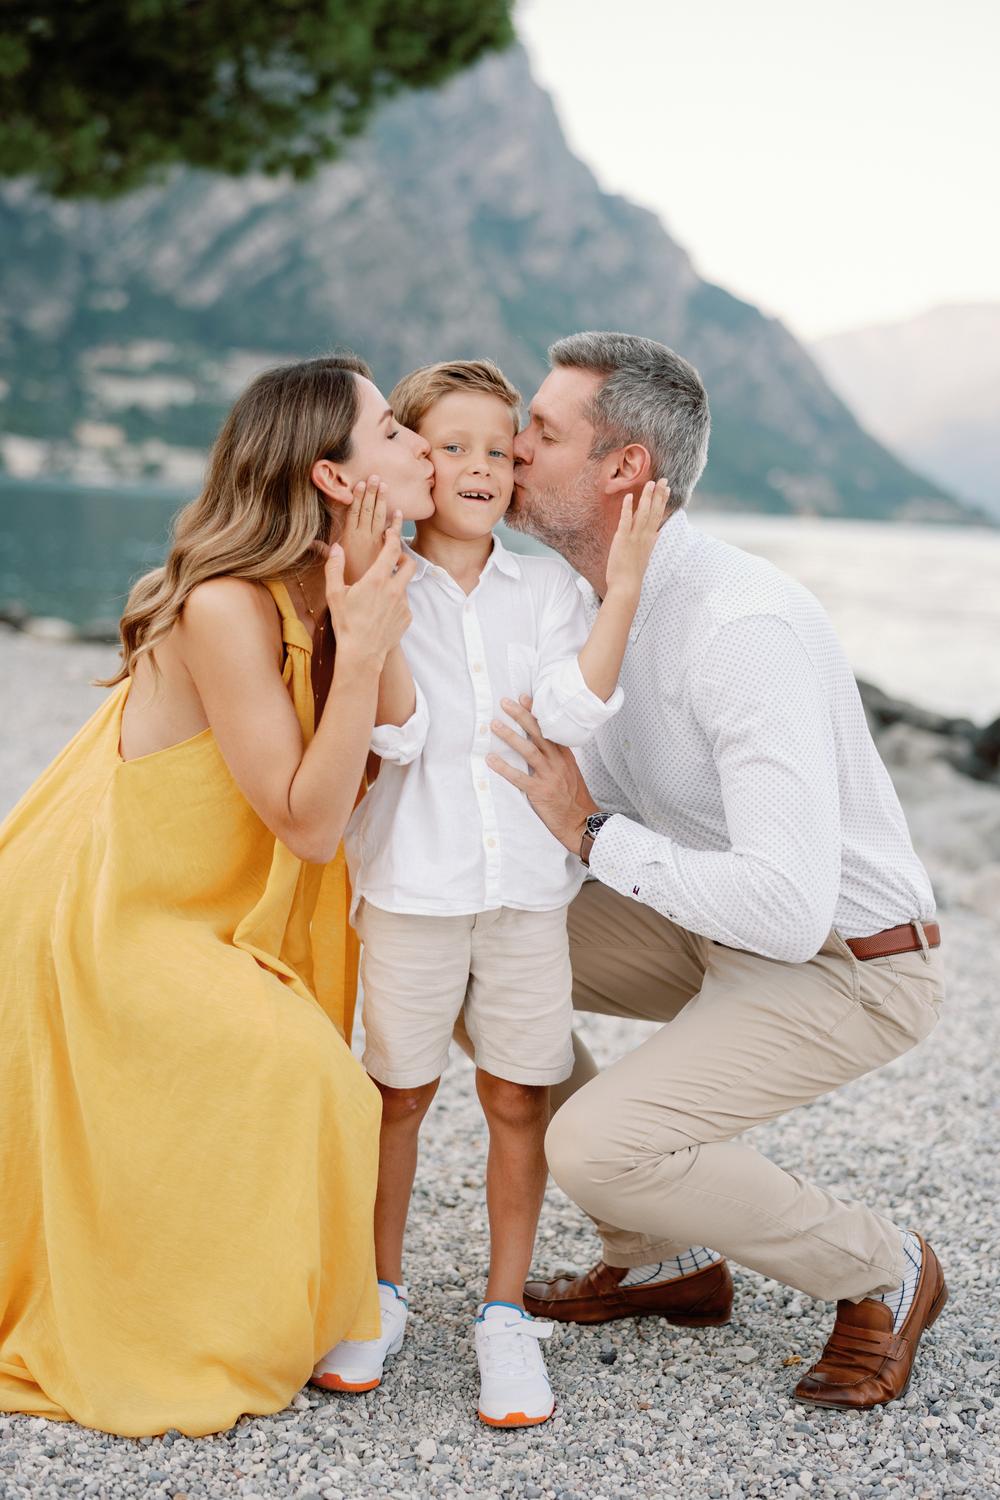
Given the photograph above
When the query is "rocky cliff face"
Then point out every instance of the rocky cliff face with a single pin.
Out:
(461, 224)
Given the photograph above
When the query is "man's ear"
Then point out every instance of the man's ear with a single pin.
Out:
(331, 481)
(630, 467)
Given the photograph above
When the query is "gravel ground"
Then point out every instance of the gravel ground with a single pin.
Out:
(643, 1409)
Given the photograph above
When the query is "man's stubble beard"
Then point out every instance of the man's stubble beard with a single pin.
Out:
(565, 520)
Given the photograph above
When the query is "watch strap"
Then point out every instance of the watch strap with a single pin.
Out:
(595, 822)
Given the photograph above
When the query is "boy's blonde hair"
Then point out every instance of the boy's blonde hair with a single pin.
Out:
(416, 393)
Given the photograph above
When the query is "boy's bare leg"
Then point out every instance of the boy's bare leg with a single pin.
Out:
(517, 1115)
(402, 1112)
(584, 1066)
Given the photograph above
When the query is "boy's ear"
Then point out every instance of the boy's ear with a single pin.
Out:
(629, 469)
(331, 481)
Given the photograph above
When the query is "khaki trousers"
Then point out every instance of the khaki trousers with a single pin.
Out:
(649, 1148)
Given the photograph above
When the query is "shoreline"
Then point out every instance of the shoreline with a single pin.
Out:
(16, 618)
(924, 629)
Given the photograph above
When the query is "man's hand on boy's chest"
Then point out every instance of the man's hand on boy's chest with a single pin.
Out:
(552, 783)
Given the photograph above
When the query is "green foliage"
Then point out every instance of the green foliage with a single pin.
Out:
(101, 96)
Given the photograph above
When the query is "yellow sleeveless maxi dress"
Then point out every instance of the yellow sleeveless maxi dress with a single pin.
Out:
(189, 1150)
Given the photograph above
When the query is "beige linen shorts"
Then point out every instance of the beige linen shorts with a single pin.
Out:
(507, 972)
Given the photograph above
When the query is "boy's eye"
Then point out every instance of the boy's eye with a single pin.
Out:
(391, 435)
(451, 447)
(497, 453)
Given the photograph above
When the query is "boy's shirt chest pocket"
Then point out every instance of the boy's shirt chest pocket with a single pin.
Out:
(522, 669)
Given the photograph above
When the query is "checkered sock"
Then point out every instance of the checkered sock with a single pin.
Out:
(900, 1299)
(694, 1259)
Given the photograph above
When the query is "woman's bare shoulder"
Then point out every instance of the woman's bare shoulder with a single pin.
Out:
(231, 604)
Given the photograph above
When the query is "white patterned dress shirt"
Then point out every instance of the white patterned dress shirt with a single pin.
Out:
(752, 806)
(439, 832)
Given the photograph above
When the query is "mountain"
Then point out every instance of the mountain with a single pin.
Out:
(930, 388)
(460, 224)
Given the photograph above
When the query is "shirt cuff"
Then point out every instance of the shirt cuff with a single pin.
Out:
(402, 743)
(566, 709)
(620, 851)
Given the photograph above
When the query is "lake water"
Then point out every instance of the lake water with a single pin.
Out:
(73, 551)
(917, 607)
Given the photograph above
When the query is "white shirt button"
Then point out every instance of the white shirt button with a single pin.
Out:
(481, 729)
(477, 666)
(491, 843)
(481, 785)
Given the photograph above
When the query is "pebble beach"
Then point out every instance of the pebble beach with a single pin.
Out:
(643, 1408)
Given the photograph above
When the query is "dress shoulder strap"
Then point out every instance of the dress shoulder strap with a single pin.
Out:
(293, 632)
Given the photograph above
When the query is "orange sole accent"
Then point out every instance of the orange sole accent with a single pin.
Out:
(514, 1419)
(334, 1383)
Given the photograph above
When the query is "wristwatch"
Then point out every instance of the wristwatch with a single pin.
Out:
(592, 828)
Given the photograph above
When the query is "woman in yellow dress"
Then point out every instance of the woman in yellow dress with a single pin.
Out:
(189, 1149)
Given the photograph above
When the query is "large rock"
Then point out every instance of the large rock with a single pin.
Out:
(945, 772)
(883, 711)
(984, 752)
(48, 628)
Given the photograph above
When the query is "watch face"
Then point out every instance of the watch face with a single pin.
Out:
(596, 822)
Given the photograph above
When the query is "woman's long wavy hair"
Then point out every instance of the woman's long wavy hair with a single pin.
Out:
(259, 512)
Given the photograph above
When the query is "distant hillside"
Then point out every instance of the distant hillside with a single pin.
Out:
(460, 224)
(929, 387)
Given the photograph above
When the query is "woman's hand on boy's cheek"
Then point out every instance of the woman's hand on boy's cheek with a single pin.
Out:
(364, 528)
(552, 783)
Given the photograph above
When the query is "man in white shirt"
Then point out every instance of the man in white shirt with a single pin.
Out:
(754, 888)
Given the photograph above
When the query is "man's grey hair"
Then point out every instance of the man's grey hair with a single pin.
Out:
(651, 396)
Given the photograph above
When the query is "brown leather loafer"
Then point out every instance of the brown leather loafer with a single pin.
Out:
(864, 1363)
(700, 1299)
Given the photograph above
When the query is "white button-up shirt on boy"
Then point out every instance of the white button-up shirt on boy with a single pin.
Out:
(440, 833)
(753, 806)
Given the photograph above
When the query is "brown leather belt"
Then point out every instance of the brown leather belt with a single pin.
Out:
(904, 939)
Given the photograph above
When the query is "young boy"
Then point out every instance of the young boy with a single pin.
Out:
(460, 890)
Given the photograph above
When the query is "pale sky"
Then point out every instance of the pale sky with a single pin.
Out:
(833, 161)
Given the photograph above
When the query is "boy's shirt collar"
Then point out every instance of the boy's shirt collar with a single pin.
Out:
(500, 558)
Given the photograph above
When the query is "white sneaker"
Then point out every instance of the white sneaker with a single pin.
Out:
(514, 1389)
(356, 1364)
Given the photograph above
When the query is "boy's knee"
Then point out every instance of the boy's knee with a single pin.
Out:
(512, 1104)
(406, 1104)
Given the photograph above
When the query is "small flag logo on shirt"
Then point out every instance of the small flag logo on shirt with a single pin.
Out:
(635, 890)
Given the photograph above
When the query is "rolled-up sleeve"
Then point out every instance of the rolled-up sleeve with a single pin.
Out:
(566, 709)
(402, 743)
(774, 889)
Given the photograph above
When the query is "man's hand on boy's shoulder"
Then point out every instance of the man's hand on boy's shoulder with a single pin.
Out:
(552, 783)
